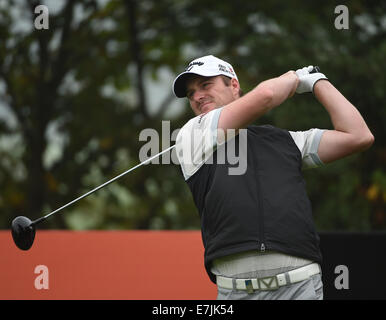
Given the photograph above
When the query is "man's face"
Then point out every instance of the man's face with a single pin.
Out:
(208, 93)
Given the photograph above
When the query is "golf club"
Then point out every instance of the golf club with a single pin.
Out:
(23, 229)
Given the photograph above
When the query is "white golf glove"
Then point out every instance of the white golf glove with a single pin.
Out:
(307, 80)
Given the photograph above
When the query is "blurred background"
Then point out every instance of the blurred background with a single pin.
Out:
(75, 97)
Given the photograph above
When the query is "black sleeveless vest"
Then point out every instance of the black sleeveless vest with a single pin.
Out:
(266, 208)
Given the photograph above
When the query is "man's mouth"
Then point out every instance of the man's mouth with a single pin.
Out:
(204, 104)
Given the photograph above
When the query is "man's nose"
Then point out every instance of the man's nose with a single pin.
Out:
(198, 95)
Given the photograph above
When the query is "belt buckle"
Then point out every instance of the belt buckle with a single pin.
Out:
(249, 286)
(268, 283)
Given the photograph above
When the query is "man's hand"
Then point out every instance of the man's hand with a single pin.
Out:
(307, 80)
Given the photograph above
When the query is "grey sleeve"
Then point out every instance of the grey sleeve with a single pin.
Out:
(308, 144)
(196, 142)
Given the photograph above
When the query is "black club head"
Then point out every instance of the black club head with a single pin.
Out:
(23, 232)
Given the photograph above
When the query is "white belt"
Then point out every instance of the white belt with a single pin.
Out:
(270, 283)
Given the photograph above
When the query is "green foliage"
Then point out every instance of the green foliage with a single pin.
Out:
(87, 79)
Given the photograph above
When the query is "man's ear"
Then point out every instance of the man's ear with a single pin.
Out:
(235, 85)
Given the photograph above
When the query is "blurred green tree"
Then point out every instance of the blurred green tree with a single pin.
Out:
(83, 79)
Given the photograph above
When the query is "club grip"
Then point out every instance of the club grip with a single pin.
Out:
(315, 69)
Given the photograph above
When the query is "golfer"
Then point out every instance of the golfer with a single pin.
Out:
(257, 227)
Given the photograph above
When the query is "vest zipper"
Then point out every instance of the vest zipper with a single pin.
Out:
(260, 209)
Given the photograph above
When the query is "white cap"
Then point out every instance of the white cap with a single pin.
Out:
(208, 66)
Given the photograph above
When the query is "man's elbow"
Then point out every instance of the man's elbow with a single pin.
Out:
(365, 141)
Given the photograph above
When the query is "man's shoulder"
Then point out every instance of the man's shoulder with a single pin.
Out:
(267, 128)
(202, 120)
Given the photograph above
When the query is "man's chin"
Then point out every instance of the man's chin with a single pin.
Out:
(208, 107)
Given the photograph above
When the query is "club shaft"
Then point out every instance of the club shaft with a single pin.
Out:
(315, 69)
(103, 185)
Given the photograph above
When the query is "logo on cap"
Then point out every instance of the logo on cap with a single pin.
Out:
(192, 64)
(225, 69)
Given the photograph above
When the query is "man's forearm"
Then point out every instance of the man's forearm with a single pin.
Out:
(351, 134)
(344, 116)
(281, 87)
(253, 105)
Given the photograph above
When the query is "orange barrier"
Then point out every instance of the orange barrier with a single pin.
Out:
(137, 265)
